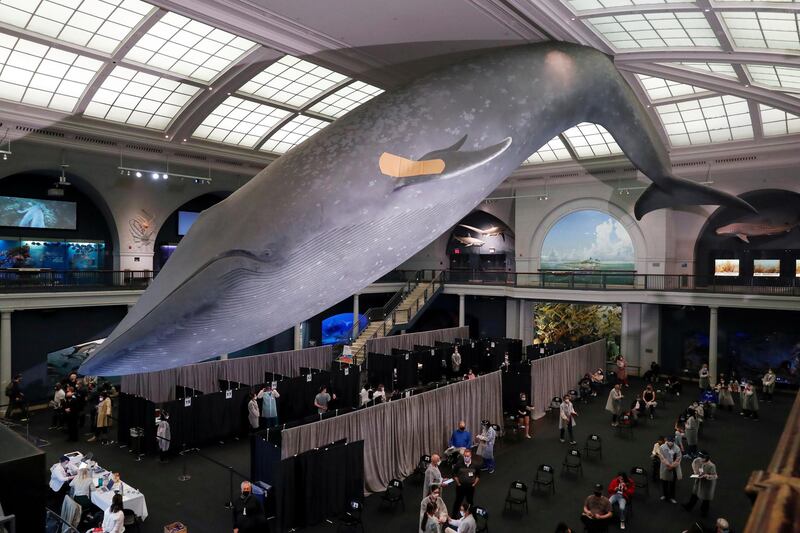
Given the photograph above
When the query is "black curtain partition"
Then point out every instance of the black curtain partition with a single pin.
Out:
(380, 369)
(207, 418)
(135, 411)
(406, 364)
(346, 384)
(435, 365)
(515, 382)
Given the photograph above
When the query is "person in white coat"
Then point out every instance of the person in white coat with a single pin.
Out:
(768, 382)
(114, 517)
(670, 471)
(164, 436)
(704, 376)
(61, 474)
(566, 418)
(253, 413)
(465, 524)
(749, 401)
(614, 403)
(433, 476)
(705, 483)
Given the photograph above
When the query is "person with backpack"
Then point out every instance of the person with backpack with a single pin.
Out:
(16, 398)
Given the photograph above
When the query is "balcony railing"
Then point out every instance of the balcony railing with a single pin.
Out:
(35, 280)
(622, 280)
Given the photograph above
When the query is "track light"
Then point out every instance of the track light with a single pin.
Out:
(138, 174)
(164, 176)
(154, 175)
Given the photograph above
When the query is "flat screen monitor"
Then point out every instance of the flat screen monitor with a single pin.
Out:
(185, 221)
(726, 267)
(35, 213)
(770, 268)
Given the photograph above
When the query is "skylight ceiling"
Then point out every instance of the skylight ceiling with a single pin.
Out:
(43, 76)
(188, 48)
(706, 120)
(763, 29)
(293, 133)
(139, 99)
(591, 140)
(660, 89)
(778, 122)
(292, 81)
(681, 29)
(782, 78)
(345, 99)
(96, 24)
(585, 5)
(240, 122)
(724, 70)
(553, 151)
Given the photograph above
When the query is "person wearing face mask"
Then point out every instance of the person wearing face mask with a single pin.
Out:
(670, 470)
(465, 524)
(614, 403)
(71, 408)
(466, 476)
(524, 414)
(650, 403)
(461, 439)
(61, 474)
(433, 475)
(768, 383)
(596, 511)
(434, 498)
(455, 361)
(705, 483)
(620, 492)
(749, 401)
(487, 438)
(566, 419)
(248, 516)
(103, 419)
(704, 380)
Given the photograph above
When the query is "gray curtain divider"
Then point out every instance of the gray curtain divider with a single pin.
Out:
(160, 386)
(397, 433)
(384, 345)
(555, 375)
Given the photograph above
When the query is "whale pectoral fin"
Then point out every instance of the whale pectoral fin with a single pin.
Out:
(675, 192)
(400, 167)
(743, 237)
(454, 162)
(452, 148)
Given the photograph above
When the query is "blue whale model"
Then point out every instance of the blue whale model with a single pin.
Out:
(369, 191)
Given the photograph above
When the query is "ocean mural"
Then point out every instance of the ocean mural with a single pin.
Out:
(589, 241)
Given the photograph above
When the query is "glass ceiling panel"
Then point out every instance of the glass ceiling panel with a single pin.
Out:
(239, 122)
(346, 99)
(583, 5)
(139, 99)
(659, 88)
(189, 48)
(720, 69)
(655, 30)
(39, 75)
(554, 150)
(591, 140)
(778, 122)
(292, 81)
(96, 24)
(782, 78)
(293, 133)
(763, 29)
(707, 120)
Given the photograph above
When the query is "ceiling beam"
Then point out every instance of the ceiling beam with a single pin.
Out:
(755, 119)
(636, 9)
(641, 94)
(716, 84)
(124, 47)
(706, 55)
(184, 124)
(558, 21)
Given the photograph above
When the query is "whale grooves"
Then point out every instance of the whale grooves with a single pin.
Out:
(369, 191)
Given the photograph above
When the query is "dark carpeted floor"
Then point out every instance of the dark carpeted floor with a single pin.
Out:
(738, 446)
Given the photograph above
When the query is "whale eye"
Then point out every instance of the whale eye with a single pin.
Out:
(266, 254)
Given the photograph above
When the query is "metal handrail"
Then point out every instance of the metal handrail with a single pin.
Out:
(33, 280)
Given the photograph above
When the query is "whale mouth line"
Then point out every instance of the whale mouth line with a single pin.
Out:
(229, 254)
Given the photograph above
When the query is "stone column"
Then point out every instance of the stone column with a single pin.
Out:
(5, 353)
(356, 312)
(624, 341)
(712, 343)
(461, 310)
(298, 337)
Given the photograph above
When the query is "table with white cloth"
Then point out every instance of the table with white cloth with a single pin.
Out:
(101, 497)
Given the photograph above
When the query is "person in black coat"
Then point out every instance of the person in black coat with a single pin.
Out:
(71, 411)
(248, 515)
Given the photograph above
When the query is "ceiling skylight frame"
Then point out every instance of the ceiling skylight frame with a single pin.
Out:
(707, 120)
(240, 122)
(776, 122)
(775, 77)
(653, 29)
(99, 25)
(660, 89)
(292, 132)
(590, 141)
(136, 98)
(554, 151)
(188, 48)
(344, 99)
(44, 76)
(761, 29)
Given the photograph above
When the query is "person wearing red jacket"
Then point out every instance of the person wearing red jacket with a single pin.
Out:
(620, 492)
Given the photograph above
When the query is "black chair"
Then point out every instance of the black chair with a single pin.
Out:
(394, 494)
(640, 477)
(422, 466)
(130, 520)
(545, 478)
(572, 462)
(625, 425)
(594, 444)
(481, 520)
(517, 495)
(555, 403)
(351, 519)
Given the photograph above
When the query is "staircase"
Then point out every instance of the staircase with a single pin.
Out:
(399, 313)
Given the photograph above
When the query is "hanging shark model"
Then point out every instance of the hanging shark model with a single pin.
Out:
(492, 231)
(745, 230)
(469, 241)
(372, 189)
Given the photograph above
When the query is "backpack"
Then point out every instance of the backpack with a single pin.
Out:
(10, 389)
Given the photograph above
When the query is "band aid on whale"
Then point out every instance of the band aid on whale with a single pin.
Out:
(400, 167)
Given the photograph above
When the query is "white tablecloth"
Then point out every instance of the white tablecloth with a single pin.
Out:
(131, 498)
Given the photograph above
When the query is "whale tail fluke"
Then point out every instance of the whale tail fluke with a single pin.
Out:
(677, 192)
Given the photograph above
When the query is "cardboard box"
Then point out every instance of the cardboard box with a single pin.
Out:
(175, 527)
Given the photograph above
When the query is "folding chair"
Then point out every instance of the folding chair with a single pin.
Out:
(131, 521)
(394, 494)
(351, 519)
(555, 403)
(517, 495)
(640, 477)
(544, 478)
(572, 462)
(594, 444)
(422, 466)
(625, 425)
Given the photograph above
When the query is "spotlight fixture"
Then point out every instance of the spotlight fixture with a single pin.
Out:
(138, 174)
(164, 176)
(154, 175)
